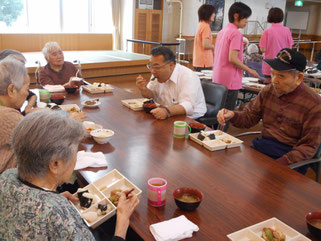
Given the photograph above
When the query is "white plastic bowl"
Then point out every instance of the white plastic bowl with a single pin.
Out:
(102, 136)
(90, 126)
(41, 105)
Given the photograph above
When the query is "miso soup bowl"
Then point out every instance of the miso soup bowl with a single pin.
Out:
(102, 136)
(57, 99)
(187, 206)
(310, 217)
(197, 127)
(71, 88)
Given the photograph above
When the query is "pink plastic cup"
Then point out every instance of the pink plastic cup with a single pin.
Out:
(157, 191)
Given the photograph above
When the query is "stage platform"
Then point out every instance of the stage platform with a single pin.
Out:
(98, 66)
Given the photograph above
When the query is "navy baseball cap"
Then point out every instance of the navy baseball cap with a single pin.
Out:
(288, 59)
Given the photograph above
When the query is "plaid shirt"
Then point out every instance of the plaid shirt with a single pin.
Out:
(293, 119)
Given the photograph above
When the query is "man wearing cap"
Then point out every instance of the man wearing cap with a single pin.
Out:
(290, 111)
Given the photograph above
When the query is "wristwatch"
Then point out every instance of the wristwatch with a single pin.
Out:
(168, 111)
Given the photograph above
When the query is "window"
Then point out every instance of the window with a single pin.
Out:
(75, 16)
(57, 16)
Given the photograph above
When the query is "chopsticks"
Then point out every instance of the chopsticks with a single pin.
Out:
(221, 127)
(131, 190)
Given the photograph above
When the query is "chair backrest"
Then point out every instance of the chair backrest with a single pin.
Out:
(318, 154)
(215, 97)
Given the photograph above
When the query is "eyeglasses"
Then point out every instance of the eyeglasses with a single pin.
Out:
(284, 56)
(150, 67)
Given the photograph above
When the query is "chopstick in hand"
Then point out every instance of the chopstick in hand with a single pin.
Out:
(131, 190)
(221, 127)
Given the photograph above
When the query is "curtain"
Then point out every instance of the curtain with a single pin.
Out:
(116, 10)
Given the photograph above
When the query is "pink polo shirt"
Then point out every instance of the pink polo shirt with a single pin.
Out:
(225, 73)
(273, 40)
(202, 57)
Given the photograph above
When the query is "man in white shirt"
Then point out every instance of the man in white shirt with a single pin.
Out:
(177, 88)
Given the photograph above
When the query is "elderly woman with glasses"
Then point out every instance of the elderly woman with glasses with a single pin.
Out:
(57, 71)
(45, 144)
(14, 86)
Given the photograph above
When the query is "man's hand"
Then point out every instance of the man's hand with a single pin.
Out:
(159, 113)
(253, 73)
(141, 83)
(224, 115)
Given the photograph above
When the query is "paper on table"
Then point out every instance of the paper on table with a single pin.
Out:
(54, 88)
(174, 229)
(90, 159)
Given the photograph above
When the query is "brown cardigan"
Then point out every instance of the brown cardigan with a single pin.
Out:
(9, 118)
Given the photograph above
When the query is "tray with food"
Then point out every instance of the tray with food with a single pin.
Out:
(71, 108)
(98, 88)
(98, 200)
(134, 104)
(254, 85)
(269, 230)
(215, 140)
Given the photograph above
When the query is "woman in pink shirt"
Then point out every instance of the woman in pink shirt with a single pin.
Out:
(274, 39)
(203, 42)
(228, 56)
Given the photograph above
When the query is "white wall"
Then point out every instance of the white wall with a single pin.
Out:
(259, 8)
(318, 32)
(314, 26)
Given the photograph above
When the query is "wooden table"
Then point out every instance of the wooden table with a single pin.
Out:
(241, 186)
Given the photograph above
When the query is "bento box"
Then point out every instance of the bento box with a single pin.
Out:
(71, 108)
(255, 232)
(102, 206)
(135, 104)
(222, 140)
(98, 88)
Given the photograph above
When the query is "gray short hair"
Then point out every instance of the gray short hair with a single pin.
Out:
(12, 71)
(14, 53)
(294, 72)
(49, 46)
(42, 137)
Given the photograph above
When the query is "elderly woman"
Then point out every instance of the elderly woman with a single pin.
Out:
(253, 59)
(46, 145)
(14, 86)
(57, 71)
(31, 98)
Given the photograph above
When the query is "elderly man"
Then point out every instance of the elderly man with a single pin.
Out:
(57, 71)
(290, 110)
(174, 86)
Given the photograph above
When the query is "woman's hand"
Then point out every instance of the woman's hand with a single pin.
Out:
(69, 196)
(125, 208)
